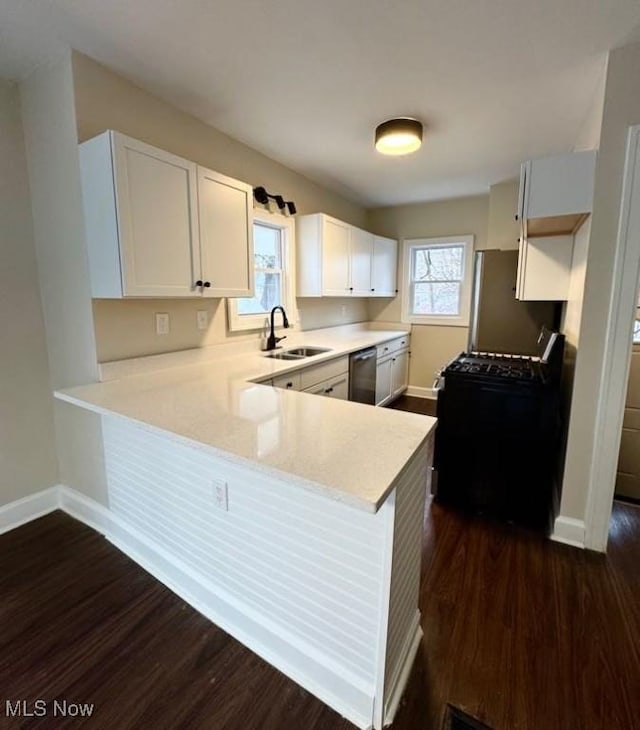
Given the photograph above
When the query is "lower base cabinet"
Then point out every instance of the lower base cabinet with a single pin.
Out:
(392, 371)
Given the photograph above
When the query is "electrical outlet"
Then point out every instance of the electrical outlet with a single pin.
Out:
(220, 494)
(162, 323)
(202, 319)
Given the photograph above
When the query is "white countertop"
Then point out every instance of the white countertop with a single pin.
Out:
(348, 451)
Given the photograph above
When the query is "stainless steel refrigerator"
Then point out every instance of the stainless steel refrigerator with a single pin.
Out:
(500, 322)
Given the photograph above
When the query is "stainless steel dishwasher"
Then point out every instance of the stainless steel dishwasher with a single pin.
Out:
(362, 376)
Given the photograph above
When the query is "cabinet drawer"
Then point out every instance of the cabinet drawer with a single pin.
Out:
(312, 375)
(387, 348)
(337, 387)
(291, 381)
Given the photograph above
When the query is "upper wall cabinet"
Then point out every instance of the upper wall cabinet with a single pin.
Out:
(225, 208)
(556, 193)
(336, 259)
(384, 265)
(157, 225)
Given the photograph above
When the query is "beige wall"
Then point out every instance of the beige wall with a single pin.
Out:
(504, 229)
(431, 346)
(27, 445)
(126, 328)
(54, 180)
(621, 109)
(104, 100)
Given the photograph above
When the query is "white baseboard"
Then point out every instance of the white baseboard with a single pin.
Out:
(420, 392)
(29, 508)
(329, 684)
(401, 675)
(569, 531)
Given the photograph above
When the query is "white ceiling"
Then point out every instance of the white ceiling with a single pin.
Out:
(495, 81)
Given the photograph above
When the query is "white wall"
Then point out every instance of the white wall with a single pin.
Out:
(54, 177)
(621, 109)
(27, 447)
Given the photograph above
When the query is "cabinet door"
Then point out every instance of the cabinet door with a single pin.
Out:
(226, 234)
(383, 380)
(340, 387)
(545, 270)
(335, 258)
(157, 219)
(383, 267)
(400, 372)
(360, 254)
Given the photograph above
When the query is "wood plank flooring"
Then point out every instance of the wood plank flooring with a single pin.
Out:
(520, 632)
(426, 406)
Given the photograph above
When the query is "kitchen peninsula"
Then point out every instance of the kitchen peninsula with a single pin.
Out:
(293, 521)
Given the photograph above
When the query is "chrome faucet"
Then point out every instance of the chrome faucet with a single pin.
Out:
(272, 340)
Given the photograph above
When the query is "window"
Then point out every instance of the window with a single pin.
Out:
(437, 280)
(272, 256)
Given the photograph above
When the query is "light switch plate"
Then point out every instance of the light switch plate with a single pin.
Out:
(162, 323)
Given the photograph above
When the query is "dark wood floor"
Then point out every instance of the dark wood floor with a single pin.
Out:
(520, 632)
(426, 406)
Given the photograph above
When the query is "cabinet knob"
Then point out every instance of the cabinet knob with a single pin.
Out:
(207, 284)
(199, 283)
(516, 216)
(350, 288)
(396, 291)
(373, 290)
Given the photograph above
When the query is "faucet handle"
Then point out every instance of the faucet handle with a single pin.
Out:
(281, 338)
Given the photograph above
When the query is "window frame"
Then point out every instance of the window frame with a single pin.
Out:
(409, 245)
(243, 322)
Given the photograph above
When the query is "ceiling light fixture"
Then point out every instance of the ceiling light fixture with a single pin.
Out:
(399, 136)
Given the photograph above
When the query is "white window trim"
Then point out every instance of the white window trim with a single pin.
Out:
(243, 322)
(447, 320)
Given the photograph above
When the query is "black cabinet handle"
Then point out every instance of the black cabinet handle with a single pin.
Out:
(329, 390)
(199, 283)
(207, 284)
(396, 291)
(373, 290)
(289, 384)
(516, 216)
(350, 288)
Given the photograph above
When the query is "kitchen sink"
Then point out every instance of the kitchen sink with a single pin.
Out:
(285, 356)
(307, 351)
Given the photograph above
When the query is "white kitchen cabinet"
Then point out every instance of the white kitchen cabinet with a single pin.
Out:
(336, 259)
(384, 264)
(336, 387)
(360, 262)
(383, 380)
(334, 269)
(556, 193)
(399, 373)
(159, 226)
(392, 370)
(290, 381)
(544, 268)
(225, 208)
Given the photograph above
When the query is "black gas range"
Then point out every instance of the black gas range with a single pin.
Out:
(499, 431)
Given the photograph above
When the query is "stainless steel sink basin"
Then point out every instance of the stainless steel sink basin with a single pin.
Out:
(307, 351)
(285, 356)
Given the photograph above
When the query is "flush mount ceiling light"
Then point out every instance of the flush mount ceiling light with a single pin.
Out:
(399, 136)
